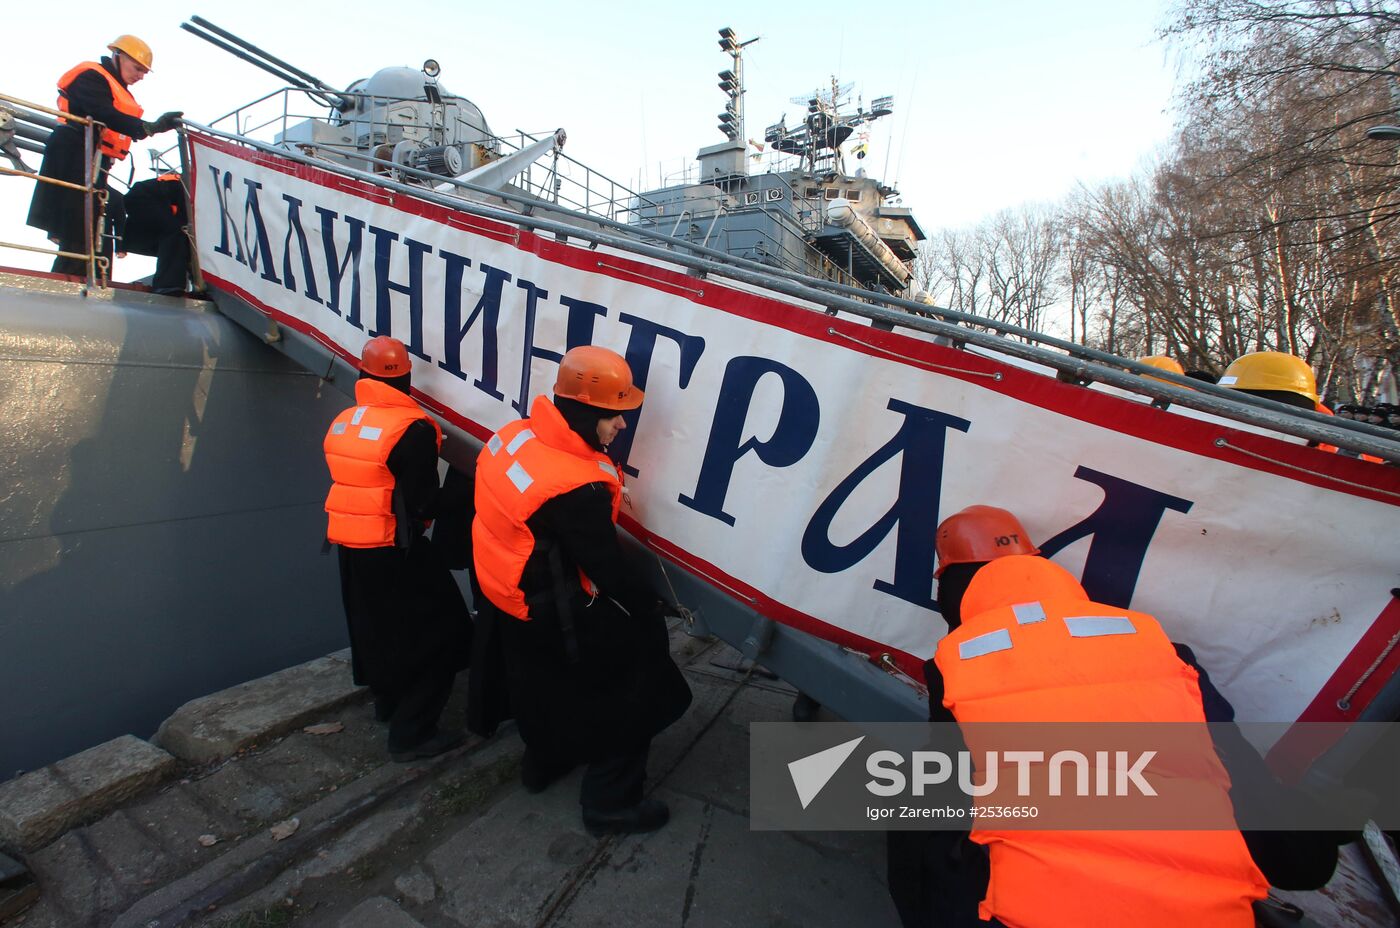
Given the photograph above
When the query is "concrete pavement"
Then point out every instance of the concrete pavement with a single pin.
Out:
(362, 843)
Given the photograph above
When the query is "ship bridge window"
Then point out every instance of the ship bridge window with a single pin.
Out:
(814, 191)
(833, 193)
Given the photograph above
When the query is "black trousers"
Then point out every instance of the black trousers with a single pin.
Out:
(75, 266)
(414, 708)
(409, 633)
(172, 264)
(79, 266)
(614, 783)
(937, 879)
(161, 235)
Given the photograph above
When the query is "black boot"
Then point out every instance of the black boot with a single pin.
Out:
(440, 743)
(647, 815)
(537, 774)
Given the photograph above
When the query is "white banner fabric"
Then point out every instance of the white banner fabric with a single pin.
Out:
(801, 460)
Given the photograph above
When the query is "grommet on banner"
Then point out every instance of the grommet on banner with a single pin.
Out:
(994, 375)
(887, 662)
(1223, 442)
(648, 277)
(1345, 702)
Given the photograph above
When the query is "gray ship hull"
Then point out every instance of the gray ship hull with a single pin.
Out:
(160, 538)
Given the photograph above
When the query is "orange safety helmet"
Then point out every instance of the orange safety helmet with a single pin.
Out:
(385, 357)
(135, 49)
(978, 534)
(597, 376)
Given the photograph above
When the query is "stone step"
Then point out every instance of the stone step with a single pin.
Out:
(42, 804)
(221, 724)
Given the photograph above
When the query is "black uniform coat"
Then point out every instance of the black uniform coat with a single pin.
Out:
(152, 210)
(59, 210)
(150, 220)
(404, 609)
(618, 686)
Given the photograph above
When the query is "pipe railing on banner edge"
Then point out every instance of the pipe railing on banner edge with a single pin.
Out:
(1083, 365)
(93, 199)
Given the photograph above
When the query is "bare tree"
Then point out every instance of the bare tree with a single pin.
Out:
(1272, 222)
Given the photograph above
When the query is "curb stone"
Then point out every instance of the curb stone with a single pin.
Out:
(219, 725)
(39, 806)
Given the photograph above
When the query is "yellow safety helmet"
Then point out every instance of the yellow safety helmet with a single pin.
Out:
(1271, 370)
(1163, 363)
(135, 49)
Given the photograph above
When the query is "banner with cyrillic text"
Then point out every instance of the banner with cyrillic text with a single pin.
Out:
(802, 459)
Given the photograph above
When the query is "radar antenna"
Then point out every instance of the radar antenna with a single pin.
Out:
(817, 142)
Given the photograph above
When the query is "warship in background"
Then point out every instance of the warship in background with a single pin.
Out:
(789, 201)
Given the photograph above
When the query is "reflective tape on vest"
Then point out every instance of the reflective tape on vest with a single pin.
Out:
(338, 428)
(370, 433)
(519, 476)
(1096, 626)
(1028, 613)
(359, 414)
(608, 468)
(990, 643)
(494, 445)
(520, 438)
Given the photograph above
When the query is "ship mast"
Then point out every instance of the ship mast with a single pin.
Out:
(731, 81)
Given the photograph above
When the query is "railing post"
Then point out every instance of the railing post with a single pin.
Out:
(196, 274)
(89, 163)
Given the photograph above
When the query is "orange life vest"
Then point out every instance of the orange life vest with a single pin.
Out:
(360, 506)
(112, 143)
(523, 466)
(1333, 449)
(1036, 649)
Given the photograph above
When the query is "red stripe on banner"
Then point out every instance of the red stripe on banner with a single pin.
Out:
(1297, 462)
(1292, 754)
(1125, 416)
(773, 609)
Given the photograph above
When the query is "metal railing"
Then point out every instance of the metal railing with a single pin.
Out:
(1072, 362)
(94, 197)
(564, 180)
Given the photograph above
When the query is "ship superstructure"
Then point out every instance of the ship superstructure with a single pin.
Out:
(789, 200)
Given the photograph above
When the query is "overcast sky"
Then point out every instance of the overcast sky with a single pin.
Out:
(994, 104)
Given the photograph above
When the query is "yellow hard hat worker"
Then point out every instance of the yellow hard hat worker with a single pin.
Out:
(1268, 372)
(135, 49)
(1163, 363)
